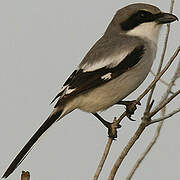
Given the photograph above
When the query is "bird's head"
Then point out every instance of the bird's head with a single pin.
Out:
(143, 20)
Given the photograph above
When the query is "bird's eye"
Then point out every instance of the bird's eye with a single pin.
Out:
(144, 15)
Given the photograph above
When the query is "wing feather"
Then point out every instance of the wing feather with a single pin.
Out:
(82, 81)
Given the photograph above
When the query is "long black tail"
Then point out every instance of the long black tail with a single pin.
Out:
(26, 149)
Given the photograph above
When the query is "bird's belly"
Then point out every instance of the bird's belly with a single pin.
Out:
(113, 91)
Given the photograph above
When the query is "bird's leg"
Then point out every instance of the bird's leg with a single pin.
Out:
(106, 123)
(130, 107)
(112, 127)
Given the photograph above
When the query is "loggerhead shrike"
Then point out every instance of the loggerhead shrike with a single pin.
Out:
(113, 68)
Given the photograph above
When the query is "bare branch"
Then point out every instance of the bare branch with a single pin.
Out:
(178, 72)
(164, 98)
(165, 117)
(104, 157)
(126, 150)
(136, 136)
(151, 114)
(161, 80)
(143, 155)
(171, 84)
(106, 152)
(168, 91)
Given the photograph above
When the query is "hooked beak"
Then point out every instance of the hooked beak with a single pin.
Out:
(164, 18)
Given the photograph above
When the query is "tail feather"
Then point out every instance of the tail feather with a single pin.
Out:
(26, 149)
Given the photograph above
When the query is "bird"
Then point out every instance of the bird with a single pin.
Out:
(112, 69)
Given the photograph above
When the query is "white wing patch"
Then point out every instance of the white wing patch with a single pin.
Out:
(69, 90)
(106, 76)
(63, 88)
(109, 62)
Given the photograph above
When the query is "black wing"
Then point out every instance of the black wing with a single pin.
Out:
(81, 82)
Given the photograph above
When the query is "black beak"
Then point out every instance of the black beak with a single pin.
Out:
(164, 18)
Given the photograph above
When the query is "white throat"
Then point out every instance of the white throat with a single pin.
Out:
(148, 30)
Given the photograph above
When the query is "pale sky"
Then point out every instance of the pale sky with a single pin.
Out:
(41, 42)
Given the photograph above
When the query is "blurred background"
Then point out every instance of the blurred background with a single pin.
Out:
(41, 42)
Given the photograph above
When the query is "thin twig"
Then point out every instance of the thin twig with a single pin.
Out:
(106, 152)
(143, 155)
(131, 143)
(104, 157)
(126, 150)
(165, 117)
(161, 80)
(178, 72)
(171, 84)
(167, 101)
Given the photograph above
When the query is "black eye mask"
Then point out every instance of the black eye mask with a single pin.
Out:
(138, 18)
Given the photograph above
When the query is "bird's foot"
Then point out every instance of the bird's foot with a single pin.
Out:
(130, 107)
(112, 127)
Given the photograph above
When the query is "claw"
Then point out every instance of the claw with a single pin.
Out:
(119, 126)
(112, 127)
(129, 117)
(112, 130)
(130, 108)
